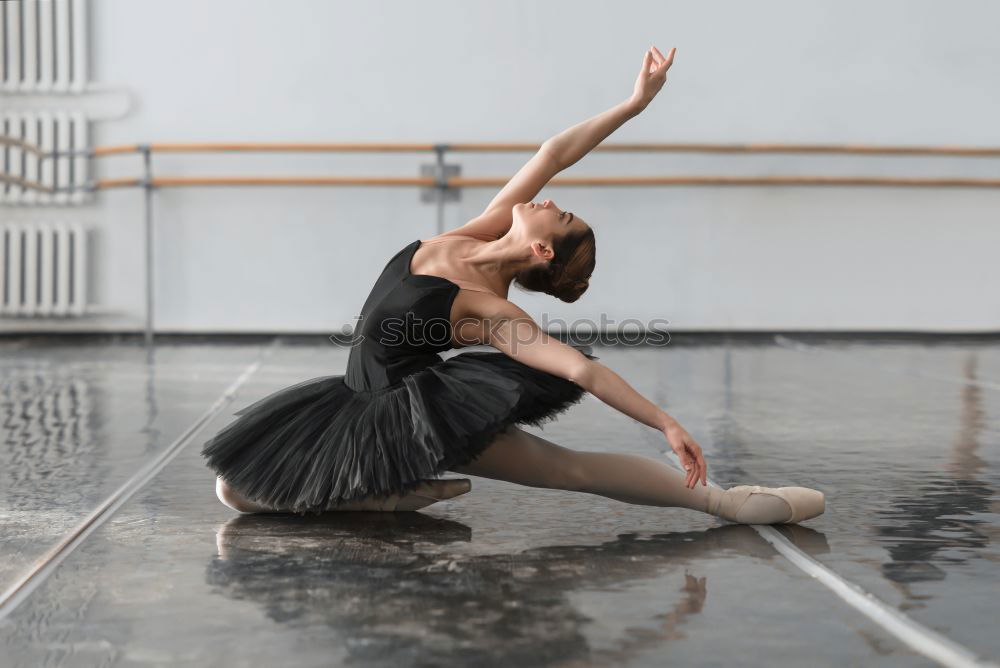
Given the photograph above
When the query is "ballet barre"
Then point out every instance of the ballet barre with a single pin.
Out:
(441, 178)
(501, 147)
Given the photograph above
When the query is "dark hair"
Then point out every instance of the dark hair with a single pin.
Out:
(567, 275)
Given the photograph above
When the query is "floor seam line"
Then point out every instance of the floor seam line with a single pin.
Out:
(45, 565)
(910, 632)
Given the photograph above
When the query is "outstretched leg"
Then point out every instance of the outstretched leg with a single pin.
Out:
(522, 457)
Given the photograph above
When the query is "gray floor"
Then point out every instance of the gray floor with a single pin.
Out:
(901, 435)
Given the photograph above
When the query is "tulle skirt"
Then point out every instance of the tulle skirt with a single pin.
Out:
(318, 442)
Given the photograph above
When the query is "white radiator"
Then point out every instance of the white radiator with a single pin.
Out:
(50, 131)
(43, 47)
(43, 269)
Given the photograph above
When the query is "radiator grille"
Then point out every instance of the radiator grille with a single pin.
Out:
(43, 46)
(50, 131)
(43, 269)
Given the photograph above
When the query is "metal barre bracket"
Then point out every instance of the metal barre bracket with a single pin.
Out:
(440, 171)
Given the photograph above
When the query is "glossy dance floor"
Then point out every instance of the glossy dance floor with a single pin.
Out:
(903, 436)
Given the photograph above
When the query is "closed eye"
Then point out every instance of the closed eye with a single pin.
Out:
(570, 220)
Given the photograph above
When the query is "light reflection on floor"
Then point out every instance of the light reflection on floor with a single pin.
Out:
(901, 435)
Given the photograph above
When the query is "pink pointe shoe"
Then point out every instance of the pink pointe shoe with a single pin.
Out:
(755, 504)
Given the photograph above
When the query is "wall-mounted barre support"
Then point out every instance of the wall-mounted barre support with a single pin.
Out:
(147, 185)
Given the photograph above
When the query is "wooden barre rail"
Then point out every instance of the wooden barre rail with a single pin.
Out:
(275, 147)
(969, 151)
(172, 182)
(284, 147)
(565, 181)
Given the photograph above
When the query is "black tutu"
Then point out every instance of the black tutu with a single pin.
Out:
(317, 443)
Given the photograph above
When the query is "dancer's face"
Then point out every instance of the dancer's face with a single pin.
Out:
(545, 221)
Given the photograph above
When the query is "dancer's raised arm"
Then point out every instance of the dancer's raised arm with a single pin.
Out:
(572, 144)
(511, 330)
(566, 148)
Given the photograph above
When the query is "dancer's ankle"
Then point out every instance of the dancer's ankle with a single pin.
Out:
(713, 500)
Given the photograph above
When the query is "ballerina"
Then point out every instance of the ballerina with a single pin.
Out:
(378, 436)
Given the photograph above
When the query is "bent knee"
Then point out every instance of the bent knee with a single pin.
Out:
(231, 498)
(571, 476)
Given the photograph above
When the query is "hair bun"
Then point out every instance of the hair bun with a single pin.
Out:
(570, 291)
(561, 277)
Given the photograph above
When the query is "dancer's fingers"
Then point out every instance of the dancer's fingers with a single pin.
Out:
(683, 456)
(661, 62)
(692, 471)
(668, 60)
(657, 56)
(686, 463)
(681, 443)
(702, 466)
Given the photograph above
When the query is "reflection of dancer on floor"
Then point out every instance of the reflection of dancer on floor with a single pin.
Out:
(954, 503)
(541, 248)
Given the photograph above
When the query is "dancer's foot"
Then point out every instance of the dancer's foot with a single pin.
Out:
(755, 504)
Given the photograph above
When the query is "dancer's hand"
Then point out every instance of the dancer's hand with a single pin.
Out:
(689, 452)
(651, 77)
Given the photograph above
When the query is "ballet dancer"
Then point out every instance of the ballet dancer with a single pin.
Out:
(377, 437)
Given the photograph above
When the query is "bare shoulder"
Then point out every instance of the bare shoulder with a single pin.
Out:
(478, 317)
(488, 305)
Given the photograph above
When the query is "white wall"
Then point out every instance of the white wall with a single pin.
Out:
(732, 258)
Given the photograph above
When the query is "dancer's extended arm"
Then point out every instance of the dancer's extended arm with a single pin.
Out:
(572, 144)
(566, 148)
(511, 330)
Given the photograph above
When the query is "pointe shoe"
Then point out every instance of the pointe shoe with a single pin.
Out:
(755, 504)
